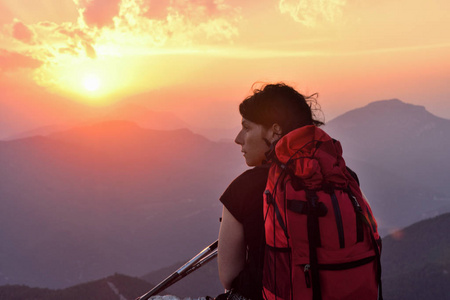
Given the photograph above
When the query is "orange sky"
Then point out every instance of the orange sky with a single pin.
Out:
(199, 58)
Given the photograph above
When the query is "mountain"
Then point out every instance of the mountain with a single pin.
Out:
(219, 134)
(399, 137)
(149, 119)
(110, 197)
(144, 117)
(202, 282)
(40, 131)
(416, 261)
(118, 286)
(399, 151)
(20, 112)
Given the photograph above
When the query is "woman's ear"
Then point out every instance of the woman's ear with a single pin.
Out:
(276, 132)
(277, 128)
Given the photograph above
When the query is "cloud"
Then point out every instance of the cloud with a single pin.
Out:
(200, 8)
(98, 13)
(155, 9)
(69, 50)
(77, 40)
(90, 51)
(119, 26)
(311, 12)
(116, 29)
(23, 33)
(178, 22)
(10, 61)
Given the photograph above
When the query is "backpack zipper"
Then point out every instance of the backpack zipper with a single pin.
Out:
(307, 277)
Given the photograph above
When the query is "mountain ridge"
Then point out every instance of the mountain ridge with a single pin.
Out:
(414, 140)
(107, 202)
(116, 286)
(416, 261)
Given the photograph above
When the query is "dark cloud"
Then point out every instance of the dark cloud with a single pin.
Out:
(12, 60)
(100, 13)
(23, 33)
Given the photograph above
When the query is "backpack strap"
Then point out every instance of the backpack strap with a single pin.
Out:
(314, 241)
(338, 218)
(368, 220)
(377, 246)
(302, 207)
(358, 212)
(271, 201)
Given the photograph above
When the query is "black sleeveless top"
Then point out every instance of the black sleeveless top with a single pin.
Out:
(244, 200)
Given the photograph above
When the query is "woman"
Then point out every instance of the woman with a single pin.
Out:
(267, 115)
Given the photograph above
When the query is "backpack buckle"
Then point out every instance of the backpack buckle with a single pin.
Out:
(269, 197)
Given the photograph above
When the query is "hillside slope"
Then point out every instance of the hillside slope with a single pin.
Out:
(118, 287)
(416, 261)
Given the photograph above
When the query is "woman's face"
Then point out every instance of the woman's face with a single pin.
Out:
(251, 138)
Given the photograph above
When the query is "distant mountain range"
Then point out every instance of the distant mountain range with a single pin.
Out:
(118, 286)
(112, 196)
(85, 203)
(145, 118)
(415, 261)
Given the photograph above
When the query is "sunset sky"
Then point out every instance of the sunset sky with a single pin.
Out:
(200, 58)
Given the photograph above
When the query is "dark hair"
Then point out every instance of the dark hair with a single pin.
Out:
(282, 104)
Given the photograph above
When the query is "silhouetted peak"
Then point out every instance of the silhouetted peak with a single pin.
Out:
(392, 126)
(393, 112)
(131, 110)
(394, 104)
(95, 131)
(145, 117)
(115, 124)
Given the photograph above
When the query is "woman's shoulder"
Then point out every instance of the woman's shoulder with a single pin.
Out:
(259, 172)
(248, 181)
(244, 194)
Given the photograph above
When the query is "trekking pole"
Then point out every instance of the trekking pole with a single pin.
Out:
(203, 261)
(197, 261)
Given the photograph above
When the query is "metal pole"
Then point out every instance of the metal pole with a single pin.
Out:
(203, 257)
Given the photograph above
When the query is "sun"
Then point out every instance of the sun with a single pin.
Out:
(91, 82)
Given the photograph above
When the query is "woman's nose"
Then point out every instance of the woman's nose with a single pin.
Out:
(238, 139)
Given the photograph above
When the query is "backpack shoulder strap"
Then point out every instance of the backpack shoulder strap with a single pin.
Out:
(314, 241)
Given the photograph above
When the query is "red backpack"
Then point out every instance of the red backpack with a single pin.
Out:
(321, 237)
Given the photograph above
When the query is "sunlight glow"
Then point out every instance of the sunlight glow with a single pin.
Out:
(91, 82)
